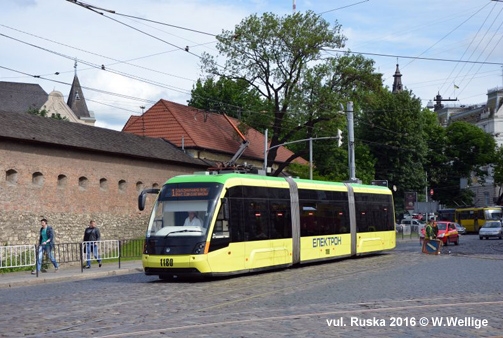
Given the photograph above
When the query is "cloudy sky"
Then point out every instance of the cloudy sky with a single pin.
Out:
(44, 37)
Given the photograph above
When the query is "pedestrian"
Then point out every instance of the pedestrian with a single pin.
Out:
(91, 237)
(435, 230)
(45, 243)
(428, 231)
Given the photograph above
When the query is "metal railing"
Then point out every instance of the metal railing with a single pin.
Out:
(18, 256)
(14, 256)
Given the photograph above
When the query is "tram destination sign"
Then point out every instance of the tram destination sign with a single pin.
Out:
(190, 192)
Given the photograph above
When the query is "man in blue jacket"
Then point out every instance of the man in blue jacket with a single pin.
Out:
(45, 243)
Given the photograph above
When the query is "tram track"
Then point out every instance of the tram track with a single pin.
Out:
(264, 315)
(301, 315)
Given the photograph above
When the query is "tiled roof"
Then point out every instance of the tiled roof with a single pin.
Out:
(32, 128)
(19, 97)
(199, 129)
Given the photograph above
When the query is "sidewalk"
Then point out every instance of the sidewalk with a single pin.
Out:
(66, 273)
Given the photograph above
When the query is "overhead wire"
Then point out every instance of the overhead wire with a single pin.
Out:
(468, 47)
(446, 35)
(103, 56)
(483, 51)
(94, 9)
(413, 57)
(338, 8)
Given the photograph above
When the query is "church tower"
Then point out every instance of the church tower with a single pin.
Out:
(77, 102)
(397, 83)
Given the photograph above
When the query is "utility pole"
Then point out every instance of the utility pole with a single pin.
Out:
(426, 188)
(351, 143)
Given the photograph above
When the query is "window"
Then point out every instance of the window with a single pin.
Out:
(139, 186)
(83, 182)
(221, 234)
(257, 215)
(280, 219)
(11, 176)
(103, 184)
(374, 212)
(122, 185)
(323, 212)
(62, 181)
(37, 179)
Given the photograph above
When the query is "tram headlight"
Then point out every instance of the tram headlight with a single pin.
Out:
(199, 248)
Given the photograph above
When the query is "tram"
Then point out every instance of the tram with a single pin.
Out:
(224, 224)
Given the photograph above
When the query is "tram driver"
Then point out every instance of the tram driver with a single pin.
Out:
(193, 220)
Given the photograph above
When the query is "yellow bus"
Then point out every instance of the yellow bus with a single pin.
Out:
(225, 224)
(474, 218)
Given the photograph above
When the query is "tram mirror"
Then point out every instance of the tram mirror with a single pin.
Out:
(143, 197)
(225, 206)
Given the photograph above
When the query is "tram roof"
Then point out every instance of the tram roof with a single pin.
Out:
(222, 178)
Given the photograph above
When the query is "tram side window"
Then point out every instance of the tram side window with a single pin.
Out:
(326, 218)
(373, 212)
(308, 219)
(281, 224)
(220, 237)
(257, 215)
(236, 223)
(341, 217)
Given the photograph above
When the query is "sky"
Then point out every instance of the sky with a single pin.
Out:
(44, 38)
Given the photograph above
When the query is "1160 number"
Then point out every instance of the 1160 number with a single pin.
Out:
(166, 261)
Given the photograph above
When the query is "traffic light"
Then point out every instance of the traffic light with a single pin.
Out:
(339, 137)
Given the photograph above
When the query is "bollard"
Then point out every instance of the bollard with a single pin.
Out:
(81, 259)
(120, 254)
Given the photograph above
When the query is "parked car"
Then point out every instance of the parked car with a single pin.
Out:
(447, 233)
(415, 224)
(461, 229)
(491, 229)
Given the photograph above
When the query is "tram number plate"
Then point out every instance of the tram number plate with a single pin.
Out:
(166, 261)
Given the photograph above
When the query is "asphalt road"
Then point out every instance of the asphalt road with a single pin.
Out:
(346, 298)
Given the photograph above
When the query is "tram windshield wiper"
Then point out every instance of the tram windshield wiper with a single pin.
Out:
(186, 230)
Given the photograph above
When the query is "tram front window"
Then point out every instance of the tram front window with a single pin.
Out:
(179, 218)
(183, 210)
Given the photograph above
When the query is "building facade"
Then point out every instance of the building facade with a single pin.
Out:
(488, 117)
(71, 173)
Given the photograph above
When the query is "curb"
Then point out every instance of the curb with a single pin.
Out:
(56, 279)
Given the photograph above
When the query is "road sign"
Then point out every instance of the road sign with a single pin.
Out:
(382, 183)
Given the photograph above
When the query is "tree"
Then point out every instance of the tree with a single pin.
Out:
(45, 113)
(234, 98)
(468, 149)
(393, 126)
(282, 59)
(498, 174)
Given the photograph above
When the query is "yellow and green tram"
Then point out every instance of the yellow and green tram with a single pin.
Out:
(224, 224)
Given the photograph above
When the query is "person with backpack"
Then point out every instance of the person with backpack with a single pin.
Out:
(91, 237)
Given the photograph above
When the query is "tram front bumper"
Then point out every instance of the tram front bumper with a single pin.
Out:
(175, 264)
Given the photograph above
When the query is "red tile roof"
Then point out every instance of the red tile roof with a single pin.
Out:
(200, 129)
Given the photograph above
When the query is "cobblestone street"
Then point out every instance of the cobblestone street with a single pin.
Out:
(351, 297)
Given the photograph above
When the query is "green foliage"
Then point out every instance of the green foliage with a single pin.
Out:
(393, 127)
(498, 167)
(281, 58)
(45, 113)
(236, 98)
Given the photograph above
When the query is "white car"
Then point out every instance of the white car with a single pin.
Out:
(415, 225)
(491, 229)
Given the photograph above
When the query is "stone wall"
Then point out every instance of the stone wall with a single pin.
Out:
(71, 187)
